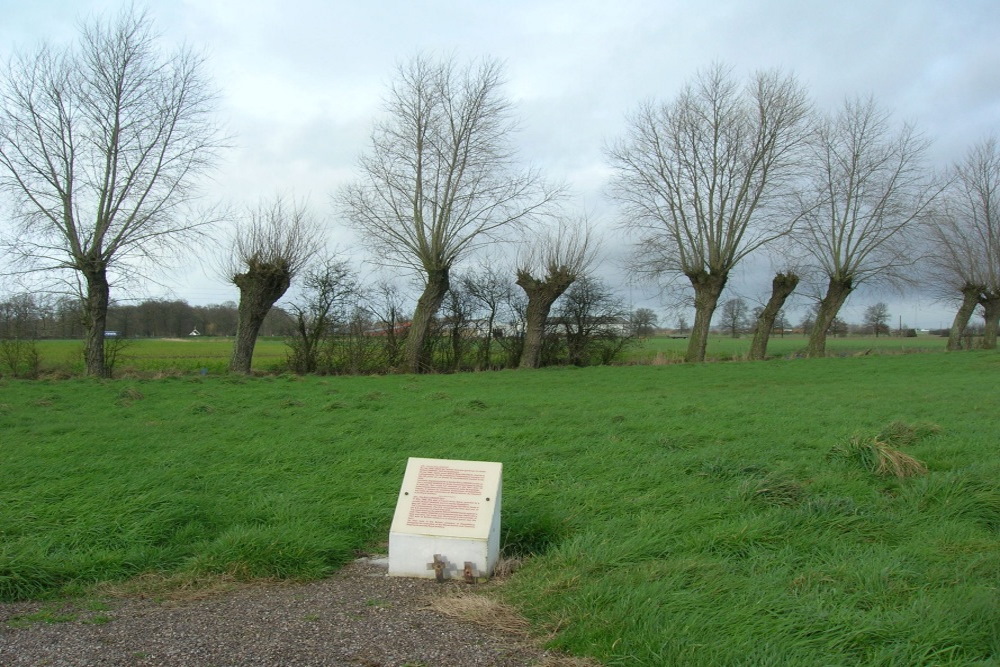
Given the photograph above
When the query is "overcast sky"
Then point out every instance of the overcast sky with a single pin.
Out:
(302, 80)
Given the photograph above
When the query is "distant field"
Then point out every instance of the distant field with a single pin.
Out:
(689, 514)
(191, 355)
(187, 355)
(726, 347)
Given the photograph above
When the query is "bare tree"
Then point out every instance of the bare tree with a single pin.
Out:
(643, 322)
(595, 322)
(877, 317)
(552, 260)
(19, 329)
(867, 192)
(271, 245)
(491, 289)
(782, 286)
(457, 326)
(955, 269)
(439, 179)
(698, 178)
(330, 290)
(385, 304)
(511, 333)
(734, 316)
(100, 146)
(965, 240)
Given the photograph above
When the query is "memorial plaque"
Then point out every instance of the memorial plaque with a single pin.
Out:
(447, 520)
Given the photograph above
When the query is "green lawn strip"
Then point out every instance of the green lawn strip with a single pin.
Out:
(663, 349)
(154, 356)
(162, 356)
(683, 514)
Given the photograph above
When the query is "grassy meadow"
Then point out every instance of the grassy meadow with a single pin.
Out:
(696, 514)
(192, 355)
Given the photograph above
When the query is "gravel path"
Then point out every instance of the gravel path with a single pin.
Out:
(358, 617)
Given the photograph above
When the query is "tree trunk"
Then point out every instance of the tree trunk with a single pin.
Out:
(541, 295)
(970, 298)
(417, 353)
(781, 288)
(707, 288)
(836, 294)
(305, 346)
(486, 361)
(95, 318)
(457, 347)
(991, 304)
(259, 289)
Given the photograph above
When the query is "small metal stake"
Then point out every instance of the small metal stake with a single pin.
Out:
(438, 565)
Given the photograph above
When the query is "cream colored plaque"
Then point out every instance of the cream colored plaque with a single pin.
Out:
(449, 509)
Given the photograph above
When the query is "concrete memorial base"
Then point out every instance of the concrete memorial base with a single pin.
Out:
(447, 520)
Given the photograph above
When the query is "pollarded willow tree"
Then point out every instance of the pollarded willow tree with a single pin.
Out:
(101, 145)
(440, 179)
(782, 286)
(868, 192)
(699, 179)
(965, 240)
(273, 242)
(552, 259)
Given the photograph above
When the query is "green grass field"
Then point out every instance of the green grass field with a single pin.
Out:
(696, 514)
(191, 355)
(662, 349)
(164, 355)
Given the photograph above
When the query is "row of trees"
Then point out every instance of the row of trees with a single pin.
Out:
(33, 317)
(338, 325)
(102, 145)
(735, 317)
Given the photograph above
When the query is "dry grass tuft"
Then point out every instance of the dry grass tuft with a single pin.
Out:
(129, 394)
(879, 458)
(879, 454)
(568, 661)
(893, 462)
(506, 567)
(769, 491)
(901, 434)
(481, 610)
(178, 587)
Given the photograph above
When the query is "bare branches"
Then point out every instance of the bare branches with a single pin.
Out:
(965, 240)
(699, 179)
(867, 191)
(554, 260)
(277, 234)
(99, 147)
(569, 248)
(441, 177)
(965, 233)
(695, 176)
(271, 246)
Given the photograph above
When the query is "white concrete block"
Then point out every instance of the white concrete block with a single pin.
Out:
(449, 509)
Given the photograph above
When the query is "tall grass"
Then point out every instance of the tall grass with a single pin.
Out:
(682, 514)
